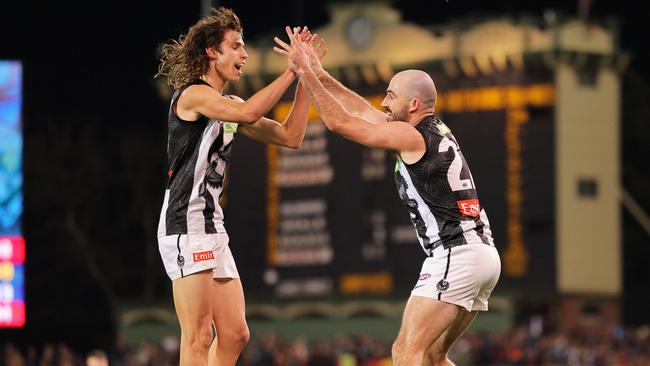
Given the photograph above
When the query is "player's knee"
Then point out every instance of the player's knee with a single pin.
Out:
(199, 341)
(397, 349)
(235, 340)
(244, 336)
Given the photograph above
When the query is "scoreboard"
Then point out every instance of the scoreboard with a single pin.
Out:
(12, 244)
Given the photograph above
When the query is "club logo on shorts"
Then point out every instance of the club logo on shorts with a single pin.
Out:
(442, 285)
(180, 260)
(424, 276)
(203, 256)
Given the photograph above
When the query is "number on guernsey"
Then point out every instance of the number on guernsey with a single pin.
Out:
(456, 167)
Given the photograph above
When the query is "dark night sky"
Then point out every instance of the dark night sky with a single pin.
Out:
(89, 68)
(109, 50)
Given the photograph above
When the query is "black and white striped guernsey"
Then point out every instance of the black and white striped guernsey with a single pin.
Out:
(439, 192)
(198, 152)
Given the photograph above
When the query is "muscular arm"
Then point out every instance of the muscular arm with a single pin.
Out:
(203, 100)
(291, 132)
(398, 136)
(353, 102)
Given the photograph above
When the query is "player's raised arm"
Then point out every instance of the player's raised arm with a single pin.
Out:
(399, 136)
(291, 131)
(353, 102)
(204, 100)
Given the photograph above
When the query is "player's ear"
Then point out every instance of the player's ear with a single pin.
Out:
(414, 104)
(211, 52)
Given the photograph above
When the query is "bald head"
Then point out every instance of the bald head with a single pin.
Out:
(416, 84)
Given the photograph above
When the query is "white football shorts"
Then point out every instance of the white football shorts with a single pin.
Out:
(464, 275)
(185, 254)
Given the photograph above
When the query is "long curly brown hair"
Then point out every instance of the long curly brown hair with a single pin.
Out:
(184, 60)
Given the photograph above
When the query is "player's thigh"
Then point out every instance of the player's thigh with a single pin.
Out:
(424, 321)
(193, 299)
(443, 344)
(228, 307)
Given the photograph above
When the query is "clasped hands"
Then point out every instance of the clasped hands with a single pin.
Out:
(304, 50)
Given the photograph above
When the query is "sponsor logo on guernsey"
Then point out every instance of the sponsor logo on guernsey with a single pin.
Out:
(229, 127)
(442, 285)
(203, 256)
(469, 207)
(424, 276)
(443, 129)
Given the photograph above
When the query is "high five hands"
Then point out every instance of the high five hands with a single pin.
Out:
(304, 51)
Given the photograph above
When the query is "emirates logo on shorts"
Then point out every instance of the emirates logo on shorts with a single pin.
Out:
(203, 256)
(442, 285)
(424, 276)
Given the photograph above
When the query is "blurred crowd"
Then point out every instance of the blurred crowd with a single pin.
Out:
(520, 346)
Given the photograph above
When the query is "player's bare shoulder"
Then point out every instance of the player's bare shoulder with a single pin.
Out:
(413, 147)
